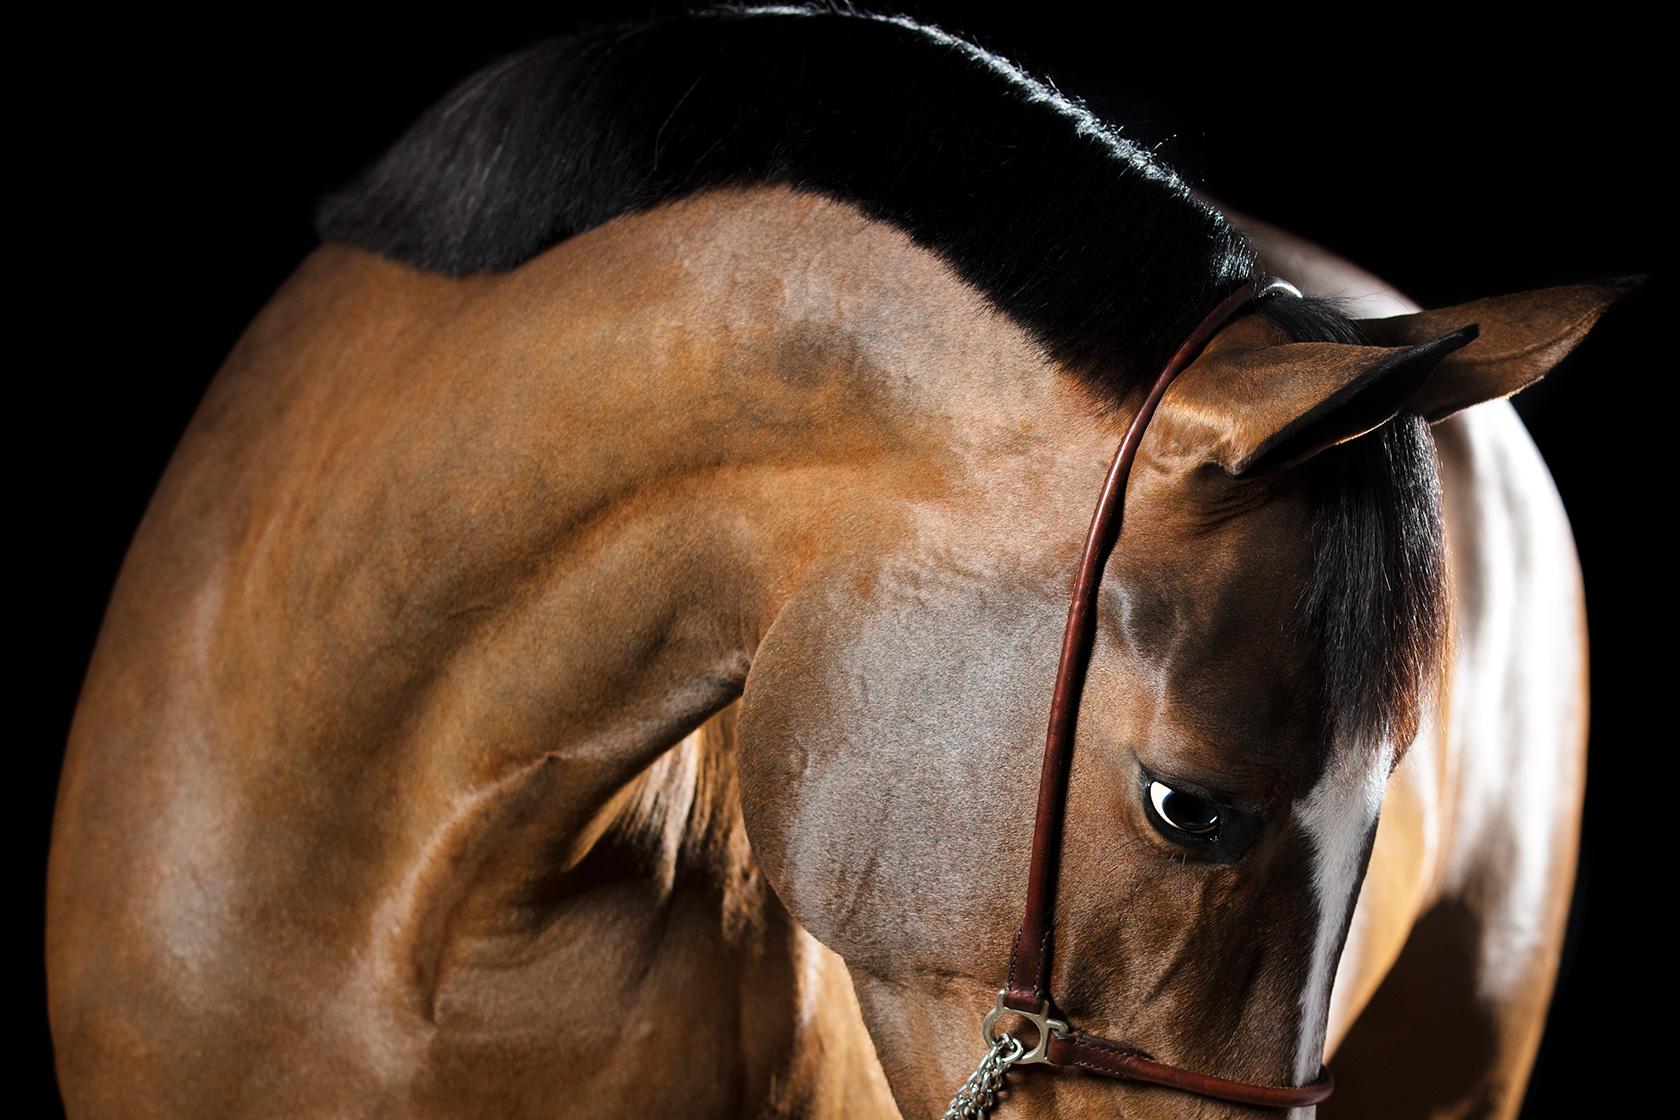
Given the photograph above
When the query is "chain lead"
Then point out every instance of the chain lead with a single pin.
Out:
(979, 1092)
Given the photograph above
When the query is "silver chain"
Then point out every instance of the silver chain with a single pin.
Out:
(979, 1092)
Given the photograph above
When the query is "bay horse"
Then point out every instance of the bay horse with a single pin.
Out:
(589, 651)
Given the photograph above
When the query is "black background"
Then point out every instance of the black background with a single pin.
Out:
(177, 165)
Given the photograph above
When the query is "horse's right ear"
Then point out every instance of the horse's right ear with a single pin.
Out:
(1522, 337)
(1252, 404)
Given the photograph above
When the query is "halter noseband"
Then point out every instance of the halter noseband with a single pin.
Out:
(1027, 993)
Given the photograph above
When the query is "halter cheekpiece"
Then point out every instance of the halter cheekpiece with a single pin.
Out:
(1027, 994)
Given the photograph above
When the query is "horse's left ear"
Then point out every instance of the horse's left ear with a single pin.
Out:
(1521, 338)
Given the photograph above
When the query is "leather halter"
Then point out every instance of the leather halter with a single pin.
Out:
(1028, 993)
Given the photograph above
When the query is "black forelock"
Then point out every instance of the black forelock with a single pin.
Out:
(1097, 249)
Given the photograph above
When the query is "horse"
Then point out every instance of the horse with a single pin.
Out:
(588, 651)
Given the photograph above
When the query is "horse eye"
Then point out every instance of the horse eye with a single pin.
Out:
(1184, 811)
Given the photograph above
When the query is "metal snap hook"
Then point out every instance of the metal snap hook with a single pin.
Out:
(1040, 1019)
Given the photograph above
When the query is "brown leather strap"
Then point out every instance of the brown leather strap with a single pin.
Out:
(1029, 960)
(1113, 1060)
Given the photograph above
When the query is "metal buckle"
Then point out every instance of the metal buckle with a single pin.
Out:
(1040, 1019)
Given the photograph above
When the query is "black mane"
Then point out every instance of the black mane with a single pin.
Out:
(1094, 247)
(1099, 251)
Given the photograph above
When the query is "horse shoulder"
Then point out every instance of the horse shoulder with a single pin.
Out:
(1517, 718)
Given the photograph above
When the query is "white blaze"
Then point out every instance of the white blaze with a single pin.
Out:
(1338, 815)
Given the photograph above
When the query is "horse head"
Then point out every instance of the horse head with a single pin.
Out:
(1271, 628)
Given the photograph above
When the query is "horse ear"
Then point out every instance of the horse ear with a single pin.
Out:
(1523, 337)
(1253, 409)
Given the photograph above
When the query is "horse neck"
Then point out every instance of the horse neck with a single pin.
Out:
(657, 426)
(574, 497)
(673, 414)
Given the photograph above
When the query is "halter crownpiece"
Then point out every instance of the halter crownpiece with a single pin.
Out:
(1027, 993)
